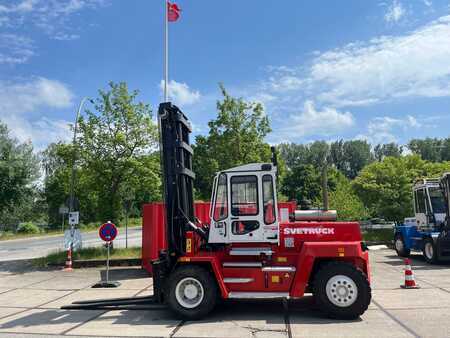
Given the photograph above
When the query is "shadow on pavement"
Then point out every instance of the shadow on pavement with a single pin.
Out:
(50, 317)
(271, 312)
(124, 273)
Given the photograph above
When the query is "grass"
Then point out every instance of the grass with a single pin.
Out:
(93, 226)
(378, 235)
(98, 253)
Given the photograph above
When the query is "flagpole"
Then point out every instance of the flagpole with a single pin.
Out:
(166, 51)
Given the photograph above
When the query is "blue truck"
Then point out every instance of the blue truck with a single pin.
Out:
(429, 231)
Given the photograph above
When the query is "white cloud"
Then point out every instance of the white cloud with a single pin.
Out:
(180, 93)
(311, 121)
(416, 64)
(387, 129)
(15, 49)
(50, 16)
(20, 102)
(395, 12)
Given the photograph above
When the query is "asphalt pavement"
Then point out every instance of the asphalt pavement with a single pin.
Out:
(27, 248)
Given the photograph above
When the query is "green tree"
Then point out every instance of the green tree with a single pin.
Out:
(388, 149)
(235, 137)
(386, 187)
(114, 145)
(357, 155)
(304, 181)
(346, 202)
(57, 163)
(19, 170)
(294, 154)
(428, 149)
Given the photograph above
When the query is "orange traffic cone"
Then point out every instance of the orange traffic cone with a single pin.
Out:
(68, 266)
(410, 282)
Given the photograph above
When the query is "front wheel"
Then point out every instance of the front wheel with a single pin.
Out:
(341, 290)
(400, 247)
(192, 292)
(429, 251)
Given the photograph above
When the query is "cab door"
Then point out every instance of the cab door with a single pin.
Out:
(245, 220)
(421, 207)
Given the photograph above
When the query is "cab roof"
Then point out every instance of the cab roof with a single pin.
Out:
(251, 167)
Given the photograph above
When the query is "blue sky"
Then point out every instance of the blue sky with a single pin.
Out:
(375, 70)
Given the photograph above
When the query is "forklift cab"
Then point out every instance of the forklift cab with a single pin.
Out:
(429, 205)
(244, 205)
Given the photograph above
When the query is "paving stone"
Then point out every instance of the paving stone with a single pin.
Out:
(41, 321)
(88, 294)
(130, 323)
(412, 298)
(22, 280)
(239, 319)
(6, 311)
(373, 323)
(430, 323)
(64, 283)
(29, 298)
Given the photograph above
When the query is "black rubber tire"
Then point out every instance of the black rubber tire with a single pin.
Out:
(434, 258)
(208, 283)
(331, 269)
(404, 252)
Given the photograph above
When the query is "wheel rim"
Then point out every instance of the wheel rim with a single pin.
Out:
(341, 290)
(429, 252)
(399, 245)
(189, 292)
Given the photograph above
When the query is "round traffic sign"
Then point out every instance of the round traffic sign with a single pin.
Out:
(108, 232)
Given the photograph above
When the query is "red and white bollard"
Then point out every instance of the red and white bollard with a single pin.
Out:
(68, 266)
(410, 282)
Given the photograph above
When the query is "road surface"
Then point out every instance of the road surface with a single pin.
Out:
(19, 249)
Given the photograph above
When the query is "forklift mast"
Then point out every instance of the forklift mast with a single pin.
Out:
(445, 186)
(176, 160)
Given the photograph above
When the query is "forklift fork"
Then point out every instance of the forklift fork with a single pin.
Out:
(149, 302)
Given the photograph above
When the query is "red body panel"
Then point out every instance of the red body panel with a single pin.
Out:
(153, 225)
(301, 246)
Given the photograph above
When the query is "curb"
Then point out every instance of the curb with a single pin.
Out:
(92, 263)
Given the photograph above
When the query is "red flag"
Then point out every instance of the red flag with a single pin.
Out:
(173, 12)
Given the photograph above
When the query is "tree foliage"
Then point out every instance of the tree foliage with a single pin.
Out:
(19, 170)
(114, 143)
(116, 159)
(386, 187)
(344, 199)
(304, 182)
(385, 150)
(431, 149)
(235, 137)
(347, 156)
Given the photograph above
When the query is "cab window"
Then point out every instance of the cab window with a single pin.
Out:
(244, 227)
(420, 194)
(437, 200)
(244, 195)
(268, 199)
(221, 203)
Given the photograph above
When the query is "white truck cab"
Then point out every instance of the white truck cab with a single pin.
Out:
(429, 205)
(244, 205)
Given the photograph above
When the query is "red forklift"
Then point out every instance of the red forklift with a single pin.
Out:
(246, 252)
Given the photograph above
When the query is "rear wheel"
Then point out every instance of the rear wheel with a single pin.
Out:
(341, 290)
(399, 245)
(429, 251)
(192, 292)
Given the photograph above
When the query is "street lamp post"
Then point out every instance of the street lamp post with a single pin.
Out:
(72, 178)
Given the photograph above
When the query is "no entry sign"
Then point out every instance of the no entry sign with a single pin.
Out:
(108, 232)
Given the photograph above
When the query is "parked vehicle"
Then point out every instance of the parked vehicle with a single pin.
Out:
(428, 230)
